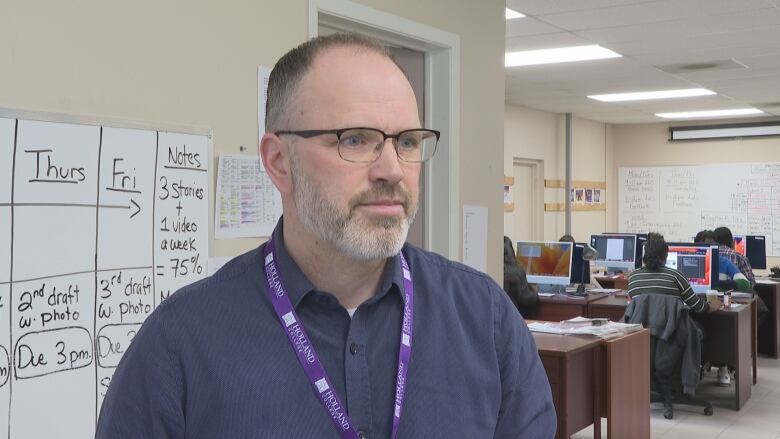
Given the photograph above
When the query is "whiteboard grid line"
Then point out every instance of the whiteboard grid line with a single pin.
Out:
(95, 299)
(11, 369)
(154, 206)
(73, 274)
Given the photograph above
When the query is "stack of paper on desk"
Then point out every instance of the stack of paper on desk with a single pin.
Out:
(606, 331)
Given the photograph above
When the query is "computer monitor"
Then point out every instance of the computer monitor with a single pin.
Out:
(698, 263)
(545, 262)
(755, 250)
(739, 244)
(641, 239)
(616, 252)
(580, 268)
(753, 247)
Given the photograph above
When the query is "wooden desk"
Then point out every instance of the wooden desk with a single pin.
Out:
(591, 378)
(729, 338)
(612, 307)
(560, 307)
(769, 332)
(627, 381)
(570, 363)
(620, 282)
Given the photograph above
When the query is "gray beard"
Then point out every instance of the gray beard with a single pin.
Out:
(359, 238)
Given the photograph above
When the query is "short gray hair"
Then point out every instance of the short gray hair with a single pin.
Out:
(288, 71)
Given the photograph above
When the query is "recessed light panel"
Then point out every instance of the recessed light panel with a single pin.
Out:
(558, 55)
(649, 95)
(511, 13)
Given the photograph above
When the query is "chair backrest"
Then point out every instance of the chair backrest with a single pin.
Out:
(660, 313)
(676, 339)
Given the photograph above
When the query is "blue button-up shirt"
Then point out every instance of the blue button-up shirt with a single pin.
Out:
(212, 361)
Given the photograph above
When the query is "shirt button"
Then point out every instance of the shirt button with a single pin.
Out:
(362, 435)
(353, 349)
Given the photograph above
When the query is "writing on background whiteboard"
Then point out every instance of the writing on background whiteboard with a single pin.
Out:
(679, 201)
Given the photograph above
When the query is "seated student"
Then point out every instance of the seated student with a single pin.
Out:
(516, 285)
(730, 278)
(567, 238)
(655, 278)
(741, 281)
(725, 240)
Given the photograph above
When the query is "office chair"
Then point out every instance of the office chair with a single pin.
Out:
(675, 350)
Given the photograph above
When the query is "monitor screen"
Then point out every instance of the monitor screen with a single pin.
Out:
(615, 251)
(739, 245)
(698, 263)
(641, 239)
(545, 262)
(755, 250)
(580, 269)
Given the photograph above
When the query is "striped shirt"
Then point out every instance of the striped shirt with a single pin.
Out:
(740, 261)
(665, 281)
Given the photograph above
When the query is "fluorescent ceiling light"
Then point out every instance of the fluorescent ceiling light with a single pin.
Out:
(710, 113)
(511, 13)
(562, 54)
(647, 95)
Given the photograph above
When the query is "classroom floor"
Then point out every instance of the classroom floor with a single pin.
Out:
(758, 419)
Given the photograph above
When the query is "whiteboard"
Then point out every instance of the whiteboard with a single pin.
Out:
(679, 201)
(98, 225)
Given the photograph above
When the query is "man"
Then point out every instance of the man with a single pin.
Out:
(335, 327)
(655, 278)
(729, 276)
(725, 241)
(525, 298)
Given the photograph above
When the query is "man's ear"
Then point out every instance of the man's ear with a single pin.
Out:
(275, 156)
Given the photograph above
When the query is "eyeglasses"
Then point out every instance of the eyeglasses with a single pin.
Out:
(365, 145)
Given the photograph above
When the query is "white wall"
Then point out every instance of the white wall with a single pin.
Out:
(589, 148)
(533, 134)
(648, 145)
(194, 63)
(540, 135)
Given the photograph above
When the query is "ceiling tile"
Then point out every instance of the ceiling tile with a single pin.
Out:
(648, 34)
(528, 26)
(545, 41)
(701, 25)
(540, 7)
(667, 10)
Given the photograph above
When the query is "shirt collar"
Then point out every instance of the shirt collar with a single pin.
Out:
(298, 285)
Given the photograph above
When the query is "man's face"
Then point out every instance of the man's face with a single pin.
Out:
(361, 209)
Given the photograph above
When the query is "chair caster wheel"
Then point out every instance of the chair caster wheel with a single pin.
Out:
(668, 414)
(708, 411)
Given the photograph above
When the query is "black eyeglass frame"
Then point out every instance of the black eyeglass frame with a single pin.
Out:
(306, 134)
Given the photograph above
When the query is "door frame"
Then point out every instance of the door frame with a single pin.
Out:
(442, 105)
(537, 194)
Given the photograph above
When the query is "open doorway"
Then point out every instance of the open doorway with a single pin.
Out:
(525, 222)
(432, 58)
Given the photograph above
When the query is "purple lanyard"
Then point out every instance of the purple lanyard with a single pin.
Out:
(307, 357)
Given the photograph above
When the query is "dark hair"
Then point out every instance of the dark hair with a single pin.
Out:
(723, 236)
(509, 252)
(567, 238)
(293, 65)
(655, 251)
(703, 236)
